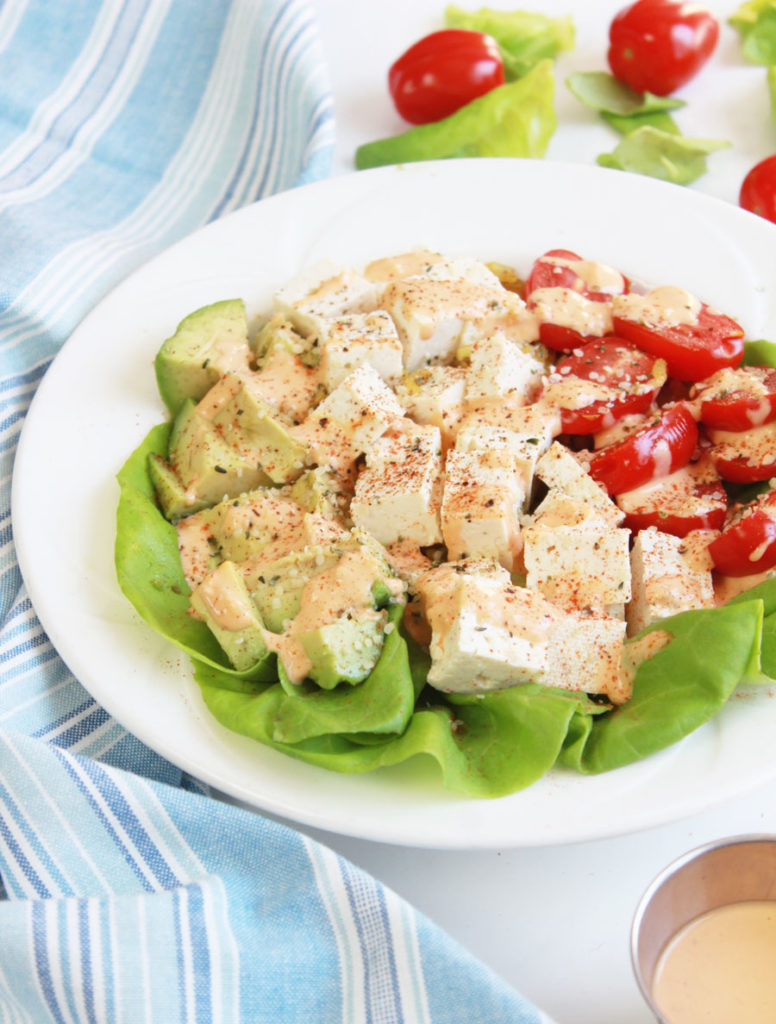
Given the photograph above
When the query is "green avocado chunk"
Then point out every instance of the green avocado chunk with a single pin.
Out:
(344, 651)
(222, 601)
(207, 344)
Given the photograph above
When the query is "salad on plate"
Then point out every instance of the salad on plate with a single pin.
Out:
(433, 507)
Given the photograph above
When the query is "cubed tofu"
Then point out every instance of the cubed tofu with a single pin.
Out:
(407, 561)
(579, 567)
(476, 436)
(559, 469)
(323, 291)
(350, 341)
(669, 576)
(435, 396)
(431, 313)
(586, 655)
(349, 420)
(486, 634)
(502, 371)
(556, 509)
(482, 497)
(397, 495)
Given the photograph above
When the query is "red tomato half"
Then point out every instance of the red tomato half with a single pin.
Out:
(442, 72)
(692, 351)
(663, 445)
(631, 378)
(738, 399)
(658, 45)
(744, 456)
(758, 189)
(692, 498)
(748, 543)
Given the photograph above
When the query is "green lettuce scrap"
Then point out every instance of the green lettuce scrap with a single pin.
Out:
(755, 22)
(770, 79)
(517, 120)
(484, 745)
(524, 37)
(620, 106)
(661, 154)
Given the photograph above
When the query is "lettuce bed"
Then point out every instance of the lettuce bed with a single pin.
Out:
(485, 746)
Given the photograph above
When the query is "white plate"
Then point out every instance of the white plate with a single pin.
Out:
(98, 400)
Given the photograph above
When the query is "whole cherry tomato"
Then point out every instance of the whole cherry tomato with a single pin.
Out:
(442, 72)
(758, 191)
(658, 45)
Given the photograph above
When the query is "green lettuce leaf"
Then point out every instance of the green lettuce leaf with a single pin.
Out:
(755, 22)
(524, 38)
(771, 83)
(661, 154)
(620, 106)
(760, 353)
(517, 119)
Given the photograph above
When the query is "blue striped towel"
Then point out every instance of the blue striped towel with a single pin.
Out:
(131, 894)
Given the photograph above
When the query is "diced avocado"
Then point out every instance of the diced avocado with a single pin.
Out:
(208, 467)
(206, 344)
(251, 426)
(277, 587)
(317, 490)
(174, 501)
(245, 525)
(224, 604)
(344, 651)
(279, 333)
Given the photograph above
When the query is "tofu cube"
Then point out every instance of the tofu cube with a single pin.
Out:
(486, 634)
(323, 291)
(475, 436)
(483, 493)
(502, 371)
(579, 567)
(559, 469)
(348, 342)
(349, 420)
(435, 396)
(586, 655)
(397, 495)
(668, 577)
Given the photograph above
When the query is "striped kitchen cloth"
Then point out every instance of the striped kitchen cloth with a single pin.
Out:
(131, 894)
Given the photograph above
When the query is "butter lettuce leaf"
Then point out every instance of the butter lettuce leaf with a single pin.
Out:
(620, 106)
(517, 120)
(759, 352)
(755, 22)
(661, 154)
(524, 37)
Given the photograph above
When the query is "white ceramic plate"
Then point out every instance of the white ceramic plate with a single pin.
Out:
(98, 400)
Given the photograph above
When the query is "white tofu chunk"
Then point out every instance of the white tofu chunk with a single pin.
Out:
(486, 634)
(348, 342)
(526, 448)
(349, 420)
(483, 494)
(435, 395)
(323, 291)
(430, 315)
(586, 655)
(559, 469)
(670, 575)
(556, 509)
(397, 495)
(407, 561)
(502, 371)
(579, 567)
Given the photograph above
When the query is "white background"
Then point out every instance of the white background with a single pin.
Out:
(554, 922)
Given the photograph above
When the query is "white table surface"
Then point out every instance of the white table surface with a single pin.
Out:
(553, 921)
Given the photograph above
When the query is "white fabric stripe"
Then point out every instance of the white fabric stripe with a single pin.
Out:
(331, 888)
(106, 112)
(59, 814)
(56, 958)
(35, 697)
(145, 958)
(55, 291)
(185, 951)
(10, 17)
(225, 947)
(108, 734)
(409, 970)
(99, 955)
(43, 872)
(74, 946)
(52, 107)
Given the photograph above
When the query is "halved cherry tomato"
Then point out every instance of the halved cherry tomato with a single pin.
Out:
(629, 380)
(692, 351)
(758, 189)
(556, 269)
(744, 456)
(442, 72)
(737, 399)
(664, 444)
(658, 45)
(748, 543)
(692, 498)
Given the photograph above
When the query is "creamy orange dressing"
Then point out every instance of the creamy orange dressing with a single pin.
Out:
(568, 308)
(598, 277)
(574, 393)
(719, 969)
(393, 268)
(661, 308)
(225, 601)
(285, 382)
(756, 446)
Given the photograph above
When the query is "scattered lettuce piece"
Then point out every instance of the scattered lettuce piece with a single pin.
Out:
(620, 106)
(771, 82)
(661, 154)
(524, 38)
(760, 353)
(517, 119)
(755, 22)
